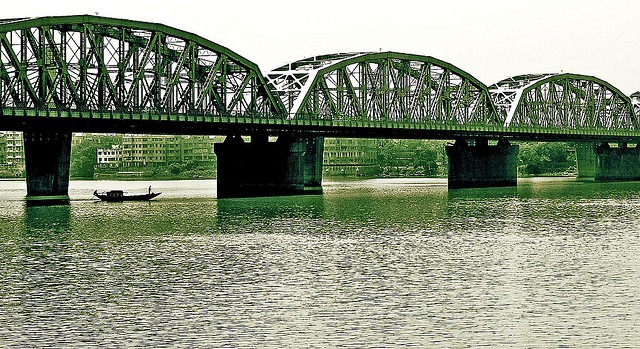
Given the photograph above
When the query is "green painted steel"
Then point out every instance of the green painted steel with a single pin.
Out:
(568, 103)
(97, 74)
(384, 86)
(88, 63)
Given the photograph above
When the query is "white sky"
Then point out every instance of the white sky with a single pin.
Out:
(490, 39)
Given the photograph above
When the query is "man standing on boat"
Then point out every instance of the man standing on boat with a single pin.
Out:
(149, 189)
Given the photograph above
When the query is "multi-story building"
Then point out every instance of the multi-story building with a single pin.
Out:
(109, 158)
(11, 154)
(14, 151)
(126, 151)
(352, 157)
(3, 149)
(342, 156)
(143, 150)
(197, 148)
(160, 150)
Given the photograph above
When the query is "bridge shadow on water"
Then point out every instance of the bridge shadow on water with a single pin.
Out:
(542, 205)
(241, 212)
(43, 230)
(552, 187)
(419, 206)
(44, 220)
(487, 193)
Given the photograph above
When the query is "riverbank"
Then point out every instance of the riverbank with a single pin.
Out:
(142, 177)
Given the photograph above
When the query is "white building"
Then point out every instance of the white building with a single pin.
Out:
(14, 149)
(109, 157)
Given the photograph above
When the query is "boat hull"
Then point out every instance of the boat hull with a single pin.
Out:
(140, 197)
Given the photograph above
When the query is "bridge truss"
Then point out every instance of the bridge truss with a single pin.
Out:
(564, 103)
(385, 87)
(86, 66)
(89, 68)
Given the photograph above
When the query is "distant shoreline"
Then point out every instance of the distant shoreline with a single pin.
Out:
(347, 178)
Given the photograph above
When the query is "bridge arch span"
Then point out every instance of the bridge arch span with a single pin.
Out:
(563, 101)
(83, 64)
(383, 87)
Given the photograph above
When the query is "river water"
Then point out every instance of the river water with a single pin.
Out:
(387, 263)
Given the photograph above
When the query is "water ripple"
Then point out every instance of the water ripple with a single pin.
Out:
(372, 264)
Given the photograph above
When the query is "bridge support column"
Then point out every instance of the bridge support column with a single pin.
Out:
(482, 165)
(47, 157)
(586, 160)
(617, 164)
(289, 166)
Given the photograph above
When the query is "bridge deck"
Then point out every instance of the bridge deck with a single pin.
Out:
(117, 122)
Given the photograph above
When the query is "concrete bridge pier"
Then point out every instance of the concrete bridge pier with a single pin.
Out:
(617, 164)
(47, 158)
(586, 160)
(288, 166)
(482, 165)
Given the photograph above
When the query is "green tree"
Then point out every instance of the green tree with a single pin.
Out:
(84, 154)
(427, 157)
(175, 168)
(411, 157)
(545, 158)
(83, 160)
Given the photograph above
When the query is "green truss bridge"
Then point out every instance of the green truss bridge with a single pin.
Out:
(93, 74)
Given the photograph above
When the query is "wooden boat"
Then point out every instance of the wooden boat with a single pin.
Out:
(118, 195)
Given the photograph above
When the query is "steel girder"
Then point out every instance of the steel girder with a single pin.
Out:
(85, 64)
(563, 102)
(635, 102)
(385, 87)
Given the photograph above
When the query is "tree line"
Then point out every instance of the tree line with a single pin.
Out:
(84, 160)
(427, 158)
(396, 158)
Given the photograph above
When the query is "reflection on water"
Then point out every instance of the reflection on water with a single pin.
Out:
(40, 220)
(377, 263)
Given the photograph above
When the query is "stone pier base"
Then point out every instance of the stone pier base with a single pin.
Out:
(617, 164)
(482, 165)
(586, 160)
(47, 158)
(289, 166)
